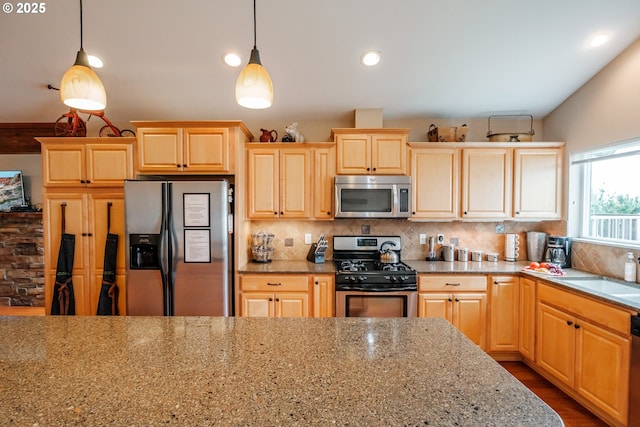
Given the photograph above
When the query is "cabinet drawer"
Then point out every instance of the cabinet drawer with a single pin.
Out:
(274, 282)
(604, 314)
(429, 282)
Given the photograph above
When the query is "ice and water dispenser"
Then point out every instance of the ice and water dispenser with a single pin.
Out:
(144, 251)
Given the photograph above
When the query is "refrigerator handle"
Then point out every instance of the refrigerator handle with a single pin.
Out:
(173, 247)
(164, 253)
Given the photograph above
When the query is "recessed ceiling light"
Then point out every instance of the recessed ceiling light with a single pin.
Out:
(370, 58)
(95, 62)
(232, 60)
(598, 39)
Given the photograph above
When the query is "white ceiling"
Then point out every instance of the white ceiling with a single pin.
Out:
(440, 58)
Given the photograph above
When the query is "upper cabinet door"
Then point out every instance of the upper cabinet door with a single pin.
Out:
(486, 183)
(206, 149)
(435, 183)
(324, 171)
(109, 165)
(160, 150)
(537, 191)
(63, 165)
(295, 185)
(353, 154)
(263, 183)
(389, 154)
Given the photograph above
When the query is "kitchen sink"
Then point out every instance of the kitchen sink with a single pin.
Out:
(605, 286)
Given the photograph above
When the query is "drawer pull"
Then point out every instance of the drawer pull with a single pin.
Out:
(452, 284)
(274, 284)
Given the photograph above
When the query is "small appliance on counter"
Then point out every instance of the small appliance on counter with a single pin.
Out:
(432, 256)
(317, 250)
(511, 247)
(536, 242)
(261, 248)
(559, 251)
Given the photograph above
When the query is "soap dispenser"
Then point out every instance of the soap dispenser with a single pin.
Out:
(630, 268)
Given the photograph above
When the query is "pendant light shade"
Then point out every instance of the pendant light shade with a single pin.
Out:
(253, 87)
(80, 87)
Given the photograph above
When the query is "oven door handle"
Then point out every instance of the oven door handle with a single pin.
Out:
(373, 289)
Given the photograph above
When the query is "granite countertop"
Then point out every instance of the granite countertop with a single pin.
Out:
(89, 371)
(307, 267)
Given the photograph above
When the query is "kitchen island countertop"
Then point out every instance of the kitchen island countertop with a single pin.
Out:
(62, 371)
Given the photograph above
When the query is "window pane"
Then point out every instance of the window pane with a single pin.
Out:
(613, 200)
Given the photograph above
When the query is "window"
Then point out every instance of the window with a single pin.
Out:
(606, 190)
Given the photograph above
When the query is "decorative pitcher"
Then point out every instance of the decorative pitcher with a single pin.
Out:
(268, 135)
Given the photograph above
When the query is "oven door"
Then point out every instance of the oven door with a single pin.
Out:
(376, 304)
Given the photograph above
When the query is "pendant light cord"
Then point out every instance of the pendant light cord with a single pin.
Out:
(81, 25)
(254, 23)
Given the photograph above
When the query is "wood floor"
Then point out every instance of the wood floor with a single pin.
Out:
(571, 412)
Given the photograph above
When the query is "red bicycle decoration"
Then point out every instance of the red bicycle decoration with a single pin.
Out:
(71, 124)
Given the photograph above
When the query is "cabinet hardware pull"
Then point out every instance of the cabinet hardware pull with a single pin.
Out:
(178, 165)
(89, 234)
(88, 181)
(184, 166)
(274, 284)
(450, 299)
(452, 284)
(84, 234)
(465, 212)
(517, 213)
(277, 299)
(576, 326)
(374, 169)
(317, 282)
(457, 300)
(368, 169)
(328, 213)
(82, 181)
(270, 299)
(281, 213)
(569, 322)
(275, 213)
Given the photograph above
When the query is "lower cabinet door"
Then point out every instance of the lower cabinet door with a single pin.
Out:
(556, 343)
(293, 304)
(435, 305)
(257, 304)
(470, 316)
(602, 369)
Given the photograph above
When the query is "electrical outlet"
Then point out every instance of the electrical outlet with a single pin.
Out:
(440, 239)
(288, 241)
(454, 241)
(499, 228)
(423, 239)
(307, 238)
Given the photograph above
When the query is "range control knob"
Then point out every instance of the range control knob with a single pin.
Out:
(361, 278)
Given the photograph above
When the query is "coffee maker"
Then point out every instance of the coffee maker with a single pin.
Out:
(559, 251)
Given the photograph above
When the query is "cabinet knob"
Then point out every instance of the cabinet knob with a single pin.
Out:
(88, 181)
(317, 282)
(457, 300)
(465, 212)
(281, 213)
(184, 166)
(82, 181)
(517, 213)
(275, 213)
(270, 299)
(374, 169)
(576, 326)
(450, 299)
(413, 213)
(277, 299)
(178, 165)
(329, 213)
(89, 234)
(368, 169)
(84, 234)
(569, 322)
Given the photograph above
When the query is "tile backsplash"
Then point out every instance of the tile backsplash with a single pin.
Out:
(472, 235)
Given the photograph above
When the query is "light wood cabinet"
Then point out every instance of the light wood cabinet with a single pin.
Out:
(585, 344)
(86, 218)
(324, 171)
(86, 162)
(504, 319)
(435, 183)
(271, 295)
(193, 147)
(86, 175)
(498, 181)
(323, 295)
(527, 318)
(279, 183)
(486, 183)
(537, 190)
(462, 300)
(371, 151)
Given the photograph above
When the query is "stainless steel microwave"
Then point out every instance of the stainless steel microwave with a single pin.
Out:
(372, 196)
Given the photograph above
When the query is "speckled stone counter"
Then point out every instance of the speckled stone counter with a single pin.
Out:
(293, 267)
(197, 371)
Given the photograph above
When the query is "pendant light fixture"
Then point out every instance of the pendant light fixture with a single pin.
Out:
(253, 87)
(80, 87)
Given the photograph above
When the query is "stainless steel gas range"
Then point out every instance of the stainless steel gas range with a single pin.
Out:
(369, 287)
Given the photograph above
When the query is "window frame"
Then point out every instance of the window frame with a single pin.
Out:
(580, 190)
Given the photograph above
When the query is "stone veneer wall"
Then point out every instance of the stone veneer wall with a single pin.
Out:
(472, 235)
(21, 259)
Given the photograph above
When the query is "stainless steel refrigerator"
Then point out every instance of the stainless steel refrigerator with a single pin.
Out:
(178, 248)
